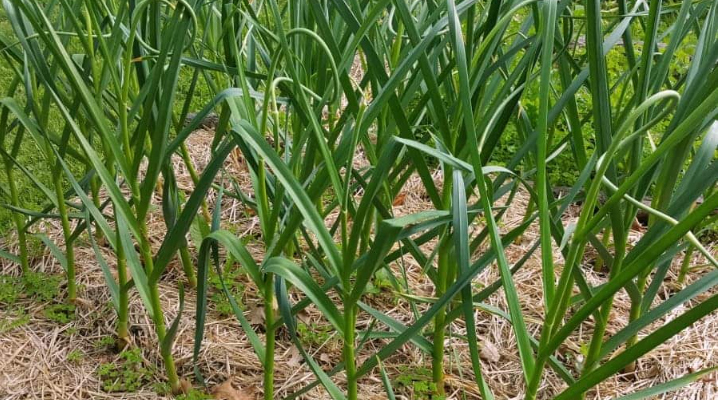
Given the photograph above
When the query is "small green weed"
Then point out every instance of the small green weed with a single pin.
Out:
(104, 342)
(313, 334)
(75, 356)
(418, 382)
(236, 289)
(43, 287)
(39, 286)
(381, 281)
(70, 331)
(161, 388)
(128, 374)
(9, 289)
(60, 313)
(13, 319)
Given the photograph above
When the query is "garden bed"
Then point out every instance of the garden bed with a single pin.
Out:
(50, 352)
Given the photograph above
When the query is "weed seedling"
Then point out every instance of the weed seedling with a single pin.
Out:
(104, 342)
(60, 313)
(75, 356)
(314, 334)
(13, 319)
(128, 374)
(9, 290)
(418, 382)
(40, 286)
(236, 289)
